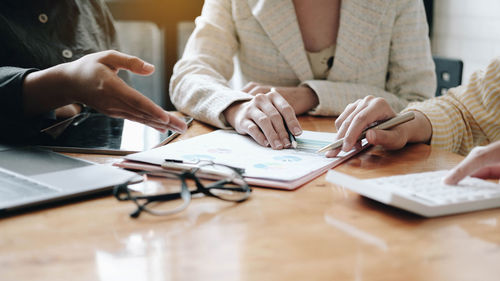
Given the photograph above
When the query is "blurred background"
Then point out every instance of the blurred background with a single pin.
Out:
(156, 31)
(461, 31)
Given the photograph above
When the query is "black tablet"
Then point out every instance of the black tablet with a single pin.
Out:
(92, 132)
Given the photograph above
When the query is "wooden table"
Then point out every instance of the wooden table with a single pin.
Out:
(318, 232)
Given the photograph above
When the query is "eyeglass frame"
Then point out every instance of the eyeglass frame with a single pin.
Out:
(122, 192)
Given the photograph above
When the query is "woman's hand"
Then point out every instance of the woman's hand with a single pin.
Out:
(482, 162)
(364, 112)
(93, 80)
(301, 99)
(263, 119)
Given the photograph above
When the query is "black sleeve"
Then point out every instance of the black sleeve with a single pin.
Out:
(11, 91)
(14, 126)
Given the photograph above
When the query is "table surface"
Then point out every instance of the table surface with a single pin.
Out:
(318, 232)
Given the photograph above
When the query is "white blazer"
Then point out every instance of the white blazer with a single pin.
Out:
(382, 49)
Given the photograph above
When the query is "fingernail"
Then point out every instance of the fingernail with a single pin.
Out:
(266, 143)
(278, 144)
(148, 67)
(345, 146)
(297, 131)
(329, 154)
(286, 142)
(370, 135)
(449, 180)
(163, 119)
(444, 180)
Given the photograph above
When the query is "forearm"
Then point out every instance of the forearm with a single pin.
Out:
(45, 90)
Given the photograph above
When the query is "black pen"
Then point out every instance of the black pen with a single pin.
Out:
(291, 137)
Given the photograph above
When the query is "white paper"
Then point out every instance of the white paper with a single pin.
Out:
(230, 148)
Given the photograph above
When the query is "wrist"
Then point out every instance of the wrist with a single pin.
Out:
(61, 80)
(43, 91)
(419, 129)
(312, 97)
(301, 98)
(231, 111)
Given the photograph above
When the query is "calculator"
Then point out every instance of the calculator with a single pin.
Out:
(424, 194)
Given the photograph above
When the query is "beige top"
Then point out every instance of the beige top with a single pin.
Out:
(382, 49)
(321, 62)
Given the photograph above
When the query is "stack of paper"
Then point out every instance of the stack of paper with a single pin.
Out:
(285, 169)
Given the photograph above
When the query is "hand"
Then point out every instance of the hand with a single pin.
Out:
(302, 99)
(262, 118)
(93, 80)
(362, 113)
(482, 162)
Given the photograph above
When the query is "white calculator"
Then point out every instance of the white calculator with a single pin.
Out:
(424, 193)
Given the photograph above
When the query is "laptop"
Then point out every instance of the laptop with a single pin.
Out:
(31, 176)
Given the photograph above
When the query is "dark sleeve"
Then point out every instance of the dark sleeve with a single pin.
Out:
(11, 91)
(14, 126)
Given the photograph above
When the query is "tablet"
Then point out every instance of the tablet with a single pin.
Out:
(93, 132)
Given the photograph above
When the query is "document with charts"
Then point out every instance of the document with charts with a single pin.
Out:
(287, 168)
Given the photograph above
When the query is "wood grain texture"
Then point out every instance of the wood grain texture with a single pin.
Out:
(318, 232)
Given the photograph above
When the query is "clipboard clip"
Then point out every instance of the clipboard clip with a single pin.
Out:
(177, 164)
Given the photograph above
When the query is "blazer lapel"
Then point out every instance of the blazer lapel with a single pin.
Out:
(279, 21)
(359, 23)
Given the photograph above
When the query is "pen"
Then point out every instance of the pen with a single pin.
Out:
(174, 134)
(291, 137)
(397, 120)
(177, 164)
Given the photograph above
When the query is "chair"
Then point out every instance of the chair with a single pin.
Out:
(448, 73)
(145, 40)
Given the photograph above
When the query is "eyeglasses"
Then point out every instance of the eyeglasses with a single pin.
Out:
(209, 179)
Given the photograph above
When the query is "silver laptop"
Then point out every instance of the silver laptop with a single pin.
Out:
(32, 176)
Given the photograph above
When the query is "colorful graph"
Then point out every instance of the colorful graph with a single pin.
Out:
(219, 150)
(287, 158)
(197, 157)
(271, 166)
(309, 145)
(280, 164)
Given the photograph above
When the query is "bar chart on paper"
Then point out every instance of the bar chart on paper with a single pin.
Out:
(311, 145)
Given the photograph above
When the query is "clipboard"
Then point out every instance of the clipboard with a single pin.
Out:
(286, 169)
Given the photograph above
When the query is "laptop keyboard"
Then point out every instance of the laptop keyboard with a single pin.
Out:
(14, 186)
